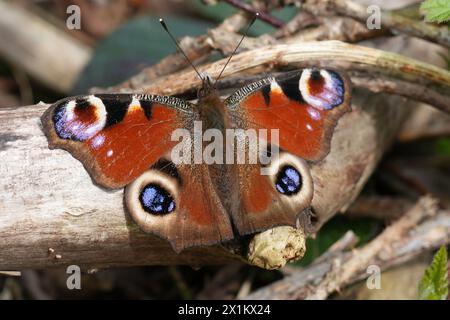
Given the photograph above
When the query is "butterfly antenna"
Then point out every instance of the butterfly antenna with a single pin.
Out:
(179, 48)
(235, 49)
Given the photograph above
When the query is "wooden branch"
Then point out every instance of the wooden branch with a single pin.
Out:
(403, 74)
(422, 228)
(389, 19)
(47, 53)
(406, 89)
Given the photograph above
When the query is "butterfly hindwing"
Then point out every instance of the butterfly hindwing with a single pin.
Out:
(179, 203)
(273, 197)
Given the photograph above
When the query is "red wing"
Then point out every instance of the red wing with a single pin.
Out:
(116, 137)
(304, 108)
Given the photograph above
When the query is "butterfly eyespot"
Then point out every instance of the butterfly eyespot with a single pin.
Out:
(153, 197)
(79, 119)
(288, 180)
(291, 178)
(156, 200)
(322, 89)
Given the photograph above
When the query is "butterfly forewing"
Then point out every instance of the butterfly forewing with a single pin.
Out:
(117, 137)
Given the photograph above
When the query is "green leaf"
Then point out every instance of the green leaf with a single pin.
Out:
(436, 10)
(442, 146)
(434, 283)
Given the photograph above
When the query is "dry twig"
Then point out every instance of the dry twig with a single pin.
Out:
(361, 258)
(422, 228)
(389, 20)
(404, 76)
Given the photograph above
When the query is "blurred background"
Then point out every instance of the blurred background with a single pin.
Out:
(118, 39)
(115, 40)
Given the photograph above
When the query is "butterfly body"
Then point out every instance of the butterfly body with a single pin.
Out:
(181, 163)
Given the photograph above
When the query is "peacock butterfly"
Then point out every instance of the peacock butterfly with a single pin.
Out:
(125, 140)
(129, 140)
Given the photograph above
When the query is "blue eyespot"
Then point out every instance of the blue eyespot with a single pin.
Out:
(156, 200)
(288, 181)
